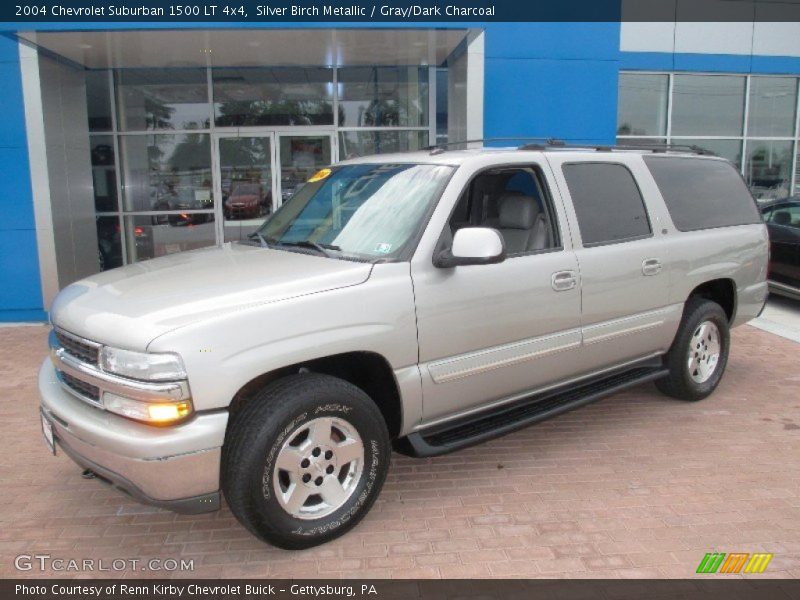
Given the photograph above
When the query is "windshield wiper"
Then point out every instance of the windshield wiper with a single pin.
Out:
(321, 248)
(261, 240)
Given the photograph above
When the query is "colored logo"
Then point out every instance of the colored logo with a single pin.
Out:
(734, 562)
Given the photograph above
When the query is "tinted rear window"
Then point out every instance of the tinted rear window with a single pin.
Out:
(702, 193)
(607, 201)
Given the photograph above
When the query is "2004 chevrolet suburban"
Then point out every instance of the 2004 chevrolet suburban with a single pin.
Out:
(422, 301)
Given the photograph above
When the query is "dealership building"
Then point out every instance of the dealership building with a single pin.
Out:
(121, 143)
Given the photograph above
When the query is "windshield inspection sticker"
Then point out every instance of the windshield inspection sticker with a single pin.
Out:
(319, 175)
(383, 248)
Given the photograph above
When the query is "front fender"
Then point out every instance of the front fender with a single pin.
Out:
(223, 354)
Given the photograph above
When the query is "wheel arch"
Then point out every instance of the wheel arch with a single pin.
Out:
(722, 291)
(369, 371)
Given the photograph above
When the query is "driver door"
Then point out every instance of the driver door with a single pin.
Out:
(490, 332)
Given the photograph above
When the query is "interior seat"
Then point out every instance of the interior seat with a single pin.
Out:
(521, 223)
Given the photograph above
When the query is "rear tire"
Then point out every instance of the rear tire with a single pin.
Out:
(699, 354)
(304, 460)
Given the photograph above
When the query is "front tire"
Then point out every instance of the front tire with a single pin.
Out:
(304, 460)
(699, 354)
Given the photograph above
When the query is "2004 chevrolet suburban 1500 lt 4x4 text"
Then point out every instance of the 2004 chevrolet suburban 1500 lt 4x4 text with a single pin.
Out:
(422, 301)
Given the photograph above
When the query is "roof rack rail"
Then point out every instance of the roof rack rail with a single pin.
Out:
(655, 147)
(536, 143)
(439, 148)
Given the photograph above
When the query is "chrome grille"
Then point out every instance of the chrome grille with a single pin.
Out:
(86, 390)
(77, 348)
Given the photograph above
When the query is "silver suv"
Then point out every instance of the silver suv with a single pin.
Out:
(422, 301)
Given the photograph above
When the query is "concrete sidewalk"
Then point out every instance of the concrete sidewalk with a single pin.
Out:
(637, 485)
(781, 316)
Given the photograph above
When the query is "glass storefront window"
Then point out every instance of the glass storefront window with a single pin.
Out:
(104, 176)
(768, 168)
(362, 143)
(642, 108)
(157, 176)
(730, 149)
(166, 172)
(273, 96)
(150, 237)
(98, 101)
(152, 99)
(442, 108)
(641, 141)
(383, 96)
(706, 105)
(773, 103)
(109, 242)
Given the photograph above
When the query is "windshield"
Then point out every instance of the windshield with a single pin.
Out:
(360, 211)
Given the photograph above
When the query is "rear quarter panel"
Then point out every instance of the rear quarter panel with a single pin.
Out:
(739, 253)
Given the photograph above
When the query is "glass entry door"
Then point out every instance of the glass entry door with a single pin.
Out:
(245, 184)
(257, 172)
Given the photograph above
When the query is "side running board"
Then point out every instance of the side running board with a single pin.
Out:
(499, 421)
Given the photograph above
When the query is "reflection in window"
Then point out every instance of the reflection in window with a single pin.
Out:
(166, 172)
(364, 143)
(148, 237)
(273, 96)
(708, 105)
(642, 108)
(383, 96)
(109, 243)
(768, 168)
(104, 179)
(98, 101)
(301, 157)
(730, 149)
(150, 99)
(797, 169)
(773, 102)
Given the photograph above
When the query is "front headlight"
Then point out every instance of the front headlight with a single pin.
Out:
(142, 365)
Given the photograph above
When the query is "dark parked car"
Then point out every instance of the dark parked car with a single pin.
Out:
(783, 222)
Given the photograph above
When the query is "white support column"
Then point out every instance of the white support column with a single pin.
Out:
(40, 181)
(465, 90)
(475, 75)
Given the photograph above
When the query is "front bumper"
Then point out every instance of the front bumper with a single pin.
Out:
(170, 467)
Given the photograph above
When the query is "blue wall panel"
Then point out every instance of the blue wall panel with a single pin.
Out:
(551, 80)
(20, 288)
(574, 100)
(595, 41)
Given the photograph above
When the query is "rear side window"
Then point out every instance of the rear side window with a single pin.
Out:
(607, 201)
(702, 193)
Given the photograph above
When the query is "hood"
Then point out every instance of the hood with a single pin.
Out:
(130, 306)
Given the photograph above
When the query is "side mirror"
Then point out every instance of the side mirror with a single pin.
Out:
(473, 246)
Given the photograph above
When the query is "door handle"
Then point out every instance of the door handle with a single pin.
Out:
(561, 281)
(651, 266)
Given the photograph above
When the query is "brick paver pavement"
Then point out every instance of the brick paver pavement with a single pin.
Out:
(637, 485)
